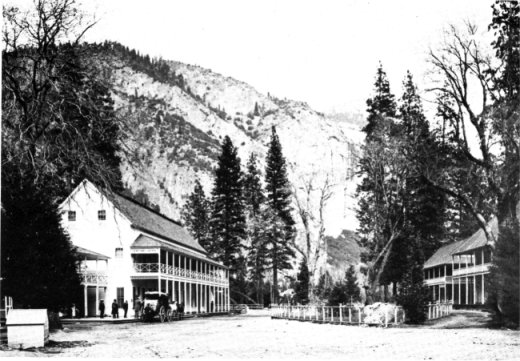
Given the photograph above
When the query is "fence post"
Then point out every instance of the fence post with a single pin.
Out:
(323, 313)
(350, 315)
(429, 311)
(340, 314)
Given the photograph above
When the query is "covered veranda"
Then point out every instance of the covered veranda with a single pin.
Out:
(188, 277)
(93, 273)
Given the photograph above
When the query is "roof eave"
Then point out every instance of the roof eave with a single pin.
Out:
(168, 239)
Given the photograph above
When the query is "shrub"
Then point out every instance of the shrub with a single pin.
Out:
(413, 295)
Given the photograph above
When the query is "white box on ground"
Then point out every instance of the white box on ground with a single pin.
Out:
(27, 328)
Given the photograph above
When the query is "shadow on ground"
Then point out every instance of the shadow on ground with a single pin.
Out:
(463, 319)
(52, 347)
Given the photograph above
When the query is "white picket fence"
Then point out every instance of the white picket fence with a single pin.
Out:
(439, 309)
(348, 315)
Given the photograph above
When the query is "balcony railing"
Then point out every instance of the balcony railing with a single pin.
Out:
(481, 268)
(93, 277)
(438, 280)
(178, 272)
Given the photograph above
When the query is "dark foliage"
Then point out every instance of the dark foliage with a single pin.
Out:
(58, 127)
(324, 287)
(228, 222)
(196, 213)
(302, 284)
(279, 200)
(39, 264)
(413, 294)
(502, 285)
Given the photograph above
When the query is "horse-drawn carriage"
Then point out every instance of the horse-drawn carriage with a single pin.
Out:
(158, 304)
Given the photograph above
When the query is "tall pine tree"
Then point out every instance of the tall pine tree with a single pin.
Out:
(196, 213)
(382, 105)
(257, 256)
(302, 283)
(279, 200)
(374, 213)
(228, 222)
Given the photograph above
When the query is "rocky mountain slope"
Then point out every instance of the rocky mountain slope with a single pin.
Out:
(174, 124)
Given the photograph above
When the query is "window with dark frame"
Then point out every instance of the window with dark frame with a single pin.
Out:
(119, 252)
(72, 216)
(102, 215)
(120, 296)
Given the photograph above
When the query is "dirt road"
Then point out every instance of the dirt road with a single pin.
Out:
(261, 337)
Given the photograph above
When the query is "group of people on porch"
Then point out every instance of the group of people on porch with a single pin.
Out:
(115, 309)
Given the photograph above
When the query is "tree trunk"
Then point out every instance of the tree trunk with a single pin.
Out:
(275, 284)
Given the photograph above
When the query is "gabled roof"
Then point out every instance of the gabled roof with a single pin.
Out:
(144, 218)
(90, 255)
(443, 255)
(147, 242)
(153, 222)
(477, 240)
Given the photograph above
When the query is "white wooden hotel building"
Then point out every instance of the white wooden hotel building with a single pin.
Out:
(457, 272)
(128, 249)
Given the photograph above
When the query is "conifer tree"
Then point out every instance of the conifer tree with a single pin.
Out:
(375, 212)
(253, 193)
(413, 294)
(227, 224)
(58, 127)
(279, 200)
(257, 258)
(302, 283)
(196, 213)
(324, 286)
(351, 285)
(39, 263)
(382, 105)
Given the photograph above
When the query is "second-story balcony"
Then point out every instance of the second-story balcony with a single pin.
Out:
(162, 269)
(93, 278)
(470, 270)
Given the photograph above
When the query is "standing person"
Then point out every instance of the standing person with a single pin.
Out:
(138, 307)
(101, 309)
(125, 308)
(115, 310)
(181, 310)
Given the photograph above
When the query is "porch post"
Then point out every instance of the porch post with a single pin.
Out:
(197, 304)
(185, 296)
(483, 294)
(475, 289)
(97, 284)
(86, 299)
(159, 271)
(460, 278)
(167, 281)
(452, 282)
(190, 287)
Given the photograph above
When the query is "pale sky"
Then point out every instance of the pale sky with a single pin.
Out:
(322, 52)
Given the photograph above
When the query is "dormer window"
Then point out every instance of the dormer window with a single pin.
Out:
(102, 215)
(72, 216)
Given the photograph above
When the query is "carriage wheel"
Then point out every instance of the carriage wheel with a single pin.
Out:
(162, 314)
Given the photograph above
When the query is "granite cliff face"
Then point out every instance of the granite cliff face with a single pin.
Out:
(174, 125)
